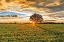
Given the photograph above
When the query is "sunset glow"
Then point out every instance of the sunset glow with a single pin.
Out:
(50, 10)
(33, 22)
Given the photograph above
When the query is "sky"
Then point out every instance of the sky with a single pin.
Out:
(49, 9)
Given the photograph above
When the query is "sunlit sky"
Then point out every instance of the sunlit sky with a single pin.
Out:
(25, 8)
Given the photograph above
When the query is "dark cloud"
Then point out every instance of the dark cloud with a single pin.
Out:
(52, 5)
(36, 0)
(0, 3)
(46, 1)
(56, 8)
(9, 0)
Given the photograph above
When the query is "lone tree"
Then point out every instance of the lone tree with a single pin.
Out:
(37, 18)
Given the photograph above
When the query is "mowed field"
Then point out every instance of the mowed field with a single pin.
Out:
(31, 33)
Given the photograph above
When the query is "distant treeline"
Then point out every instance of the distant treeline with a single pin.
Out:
(9, 16)
(31, 23)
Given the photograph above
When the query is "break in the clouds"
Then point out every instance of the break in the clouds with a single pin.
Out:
(40, 5)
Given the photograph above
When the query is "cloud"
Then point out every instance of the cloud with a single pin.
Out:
(38, 5)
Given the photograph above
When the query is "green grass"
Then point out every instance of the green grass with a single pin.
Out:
(31, 33)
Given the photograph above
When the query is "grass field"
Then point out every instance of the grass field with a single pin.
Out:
(31, 33)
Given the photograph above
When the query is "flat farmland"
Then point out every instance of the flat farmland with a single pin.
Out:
(31, 33)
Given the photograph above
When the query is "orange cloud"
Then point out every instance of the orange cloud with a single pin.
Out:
(38, 5)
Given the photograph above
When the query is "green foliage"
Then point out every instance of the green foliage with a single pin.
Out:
(30, 33)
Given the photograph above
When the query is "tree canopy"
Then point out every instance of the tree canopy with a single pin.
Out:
(37, 18)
